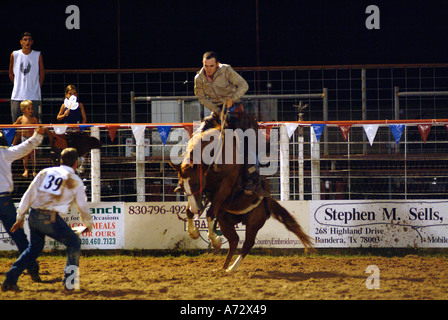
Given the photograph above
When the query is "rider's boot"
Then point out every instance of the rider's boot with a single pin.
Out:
(252, 185)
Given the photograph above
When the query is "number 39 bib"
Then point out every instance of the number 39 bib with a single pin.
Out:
(53, 181)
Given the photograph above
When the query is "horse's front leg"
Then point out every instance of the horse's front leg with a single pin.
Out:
(214, 212)
(215, 240)
(191, 228)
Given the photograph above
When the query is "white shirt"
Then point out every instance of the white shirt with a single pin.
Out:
(9, 155)
(55, 189)
(26, 76)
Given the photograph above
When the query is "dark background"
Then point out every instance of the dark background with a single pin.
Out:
(174, 34)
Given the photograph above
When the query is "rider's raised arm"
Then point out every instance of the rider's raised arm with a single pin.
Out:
(238, 81)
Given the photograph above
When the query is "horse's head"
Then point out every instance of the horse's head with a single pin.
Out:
(192, 183)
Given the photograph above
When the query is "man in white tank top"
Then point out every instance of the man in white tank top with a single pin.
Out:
(27, 73)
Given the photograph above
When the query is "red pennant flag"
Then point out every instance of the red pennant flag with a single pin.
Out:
(112, 131)
(424, 130)
(188, 128)
(345, 129)
(267, 133)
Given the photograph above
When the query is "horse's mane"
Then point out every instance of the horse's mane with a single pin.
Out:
(195, 142)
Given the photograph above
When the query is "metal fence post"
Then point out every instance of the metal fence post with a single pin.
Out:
(315, 165)
(284, 164)
(95, 168)
(325, 118)
(132, 106)
(140, 169)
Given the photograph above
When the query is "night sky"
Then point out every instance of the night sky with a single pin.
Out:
(174, 34)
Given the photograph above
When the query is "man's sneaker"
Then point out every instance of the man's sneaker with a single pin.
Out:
(10, 287)
(35, 276)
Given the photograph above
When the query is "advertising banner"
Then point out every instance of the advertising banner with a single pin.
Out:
(162, 225)
(108, 233)
(331, 224)
(398, 224)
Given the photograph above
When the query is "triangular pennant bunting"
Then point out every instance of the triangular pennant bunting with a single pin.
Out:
(345, 129)
(189, 129)
(164, 132)
(9, 135)
(139, 133)
(397, 131)
(267, 131)
(371, 130)
(112, 131)
(424, 131)
(83, 127)
(318, 129)
(60, 129)
(290, 128)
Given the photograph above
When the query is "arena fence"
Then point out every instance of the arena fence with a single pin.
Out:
(394, 159)
(379, 184)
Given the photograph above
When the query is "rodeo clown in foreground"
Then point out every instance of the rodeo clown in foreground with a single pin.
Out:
(50, 195)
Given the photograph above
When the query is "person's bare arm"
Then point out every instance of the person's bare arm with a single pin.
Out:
(11, 68)
(41, 70)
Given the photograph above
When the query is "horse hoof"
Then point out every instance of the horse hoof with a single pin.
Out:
(235, 265)
(194, 235)
(216, 242)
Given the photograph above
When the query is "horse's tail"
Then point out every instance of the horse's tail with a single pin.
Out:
(282, 215)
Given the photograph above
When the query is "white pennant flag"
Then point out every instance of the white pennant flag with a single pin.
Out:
(60, 129)
(139, 133)
(370, 130)
(290, 128)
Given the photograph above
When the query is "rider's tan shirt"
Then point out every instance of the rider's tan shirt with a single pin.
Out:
(227, 83)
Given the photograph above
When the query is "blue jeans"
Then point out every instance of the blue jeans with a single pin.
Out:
(8, 218)
(41, 225)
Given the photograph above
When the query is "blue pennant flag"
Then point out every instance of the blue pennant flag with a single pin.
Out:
(397, 131)
(164, 132)
(9, 135)
(83, 127)
(318, 129)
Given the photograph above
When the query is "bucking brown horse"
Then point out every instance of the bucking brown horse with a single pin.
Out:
(221, 186)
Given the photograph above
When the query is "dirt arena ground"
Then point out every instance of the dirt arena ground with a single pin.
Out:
(294, 277)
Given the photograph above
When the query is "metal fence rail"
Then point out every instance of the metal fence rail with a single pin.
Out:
(375, 94)
(414, 167)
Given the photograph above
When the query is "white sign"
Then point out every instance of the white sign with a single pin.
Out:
(379, 223)
(161, 225)
(108, 232)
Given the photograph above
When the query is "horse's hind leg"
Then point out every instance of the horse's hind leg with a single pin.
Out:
(255, 221)
(228, 230)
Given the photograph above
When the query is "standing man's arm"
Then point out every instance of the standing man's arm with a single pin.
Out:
(11, 68)
(19, 151)
(81, 204)
(27, 200)
(41, 70)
